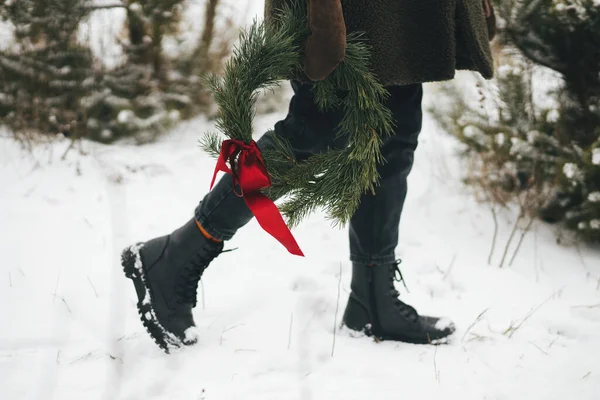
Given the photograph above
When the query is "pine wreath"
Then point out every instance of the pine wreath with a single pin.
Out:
(333, 181)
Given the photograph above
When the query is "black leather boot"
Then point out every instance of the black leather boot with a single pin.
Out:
(165, 272)
(374, 308)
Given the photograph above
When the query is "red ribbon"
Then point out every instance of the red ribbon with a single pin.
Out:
(251, 175)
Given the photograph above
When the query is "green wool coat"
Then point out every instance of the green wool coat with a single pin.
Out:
(416, 41)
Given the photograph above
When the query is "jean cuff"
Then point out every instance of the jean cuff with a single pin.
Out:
(378, 260)
(202, 219)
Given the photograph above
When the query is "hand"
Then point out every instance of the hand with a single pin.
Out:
(326, 47)
(487, 8)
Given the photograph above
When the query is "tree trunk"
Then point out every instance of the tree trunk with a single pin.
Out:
(201, 54)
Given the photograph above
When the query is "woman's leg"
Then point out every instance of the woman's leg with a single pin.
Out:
(374, 226)
(374, 305)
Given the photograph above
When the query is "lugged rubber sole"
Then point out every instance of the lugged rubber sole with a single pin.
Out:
(132, 266)
(368, 331)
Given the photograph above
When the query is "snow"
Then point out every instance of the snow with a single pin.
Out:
(596, 156)
(444, 323)
(266, 319)
(125, 116)
(594, 197)
(500, 139)
(571, 171)
(192, 335)
(552, 116)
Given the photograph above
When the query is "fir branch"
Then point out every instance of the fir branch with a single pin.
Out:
(211, 144)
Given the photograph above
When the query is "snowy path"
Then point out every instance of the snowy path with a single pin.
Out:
(70, 329)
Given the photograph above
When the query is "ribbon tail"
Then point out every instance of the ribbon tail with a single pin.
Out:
(221, 162)
(214, 178)
(270, 219)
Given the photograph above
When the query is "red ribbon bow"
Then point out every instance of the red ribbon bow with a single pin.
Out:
(251, 175)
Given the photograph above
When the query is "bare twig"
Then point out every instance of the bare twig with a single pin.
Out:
(227, 330)
(538, 347)
(9, 279)
(202, 293)
(476, 336)
(581, 258)
(56, 286)
(57, 357)
(494, 238)
(523, 233)
(92, 285)
(447, 273)
(83, 357)
(71, 145)
(435, 368)
(88, 223)
(535, 254)
(337, 306)
(511, 330)
(474, 323)
(105, 6)
(66, 304)
(241, 350)
(119, 359)
(128, 337)
(510, 238)
(532, 109)
(586, 375)
(200, 55)
(290, 331)
(584, 306)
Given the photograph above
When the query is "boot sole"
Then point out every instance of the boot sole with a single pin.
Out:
(132, 266)
(399, 338)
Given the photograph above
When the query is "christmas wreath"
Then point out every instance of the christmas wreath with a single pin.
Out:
(268, 53)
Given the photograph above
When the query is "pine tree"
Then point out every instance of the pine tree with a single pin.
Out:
(46, 73)
(135, 99)
(152, 91)
(547, 157)
(50, 83)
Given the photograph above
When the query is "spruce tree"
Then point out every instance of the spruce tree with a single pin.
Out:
(545, 156)
(136, 98)
(50, 83)
(151, 91)
(46, 73)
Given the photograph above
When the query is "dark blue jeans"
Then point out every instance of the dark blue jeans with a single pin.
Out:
(374, 226)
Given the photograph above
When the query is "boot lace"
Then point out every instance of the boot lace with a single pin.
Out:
(396, 276)
(190, 276)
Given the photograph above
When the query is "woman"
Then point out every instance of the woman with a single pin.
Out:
(412, 42)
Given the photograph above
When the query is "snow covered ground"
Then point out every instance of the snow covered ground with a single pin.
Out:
(70, 328)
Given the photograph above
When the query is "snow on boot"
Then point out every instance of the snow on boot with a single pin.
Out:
(374, 308)
(165, 272)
